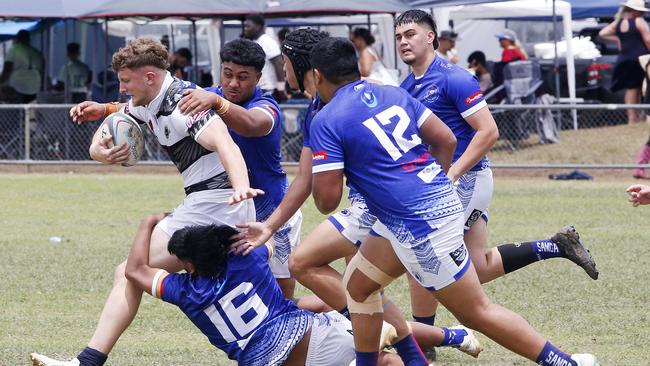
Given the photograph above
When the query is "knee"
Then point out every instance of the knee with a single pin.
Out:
(476, 318)
(120, 273)
(358, 293)
(298, 266)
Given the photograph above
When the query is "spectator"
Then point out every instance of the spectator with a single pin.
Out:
(282, 34)
(634, 38)
(512, 50)
(370, 64)
(76, 74)
(477, 65)
(272, 79)
(23, 70)
(447, 43)
(165, 41)
(178, 61)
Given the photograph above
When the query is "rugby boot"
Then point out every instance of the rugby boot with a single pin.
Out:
(470, 344)
(585, 359)
(568, 240)
(41, 360)
(388, 335)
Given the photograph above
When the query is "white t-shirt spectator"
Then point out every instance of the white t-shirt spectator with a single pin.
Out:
(271, 48)
(27, 69)
(78, 76)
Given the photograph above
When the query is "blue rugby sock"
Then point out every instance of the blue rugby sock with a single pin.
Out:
(428, 320)
(410, 352)
(545, 249)
(367, 358)
(91, 357)
(453, 337)
(551, 356)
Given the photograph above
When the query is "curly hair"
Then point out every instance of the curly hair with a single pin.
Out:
(365, 34)
(297, 46)
(206, 247)
(141, 52)
(244, 52)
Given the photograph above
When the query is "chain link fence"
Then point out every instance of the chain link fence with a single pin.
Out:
(37, 132)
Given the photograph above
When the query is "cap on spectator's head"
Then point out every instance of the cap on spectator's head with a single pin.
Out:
(507, 34)
(448, 34)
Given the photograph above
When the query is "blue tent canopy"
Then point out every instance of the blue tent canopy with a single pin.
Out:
(581, 9)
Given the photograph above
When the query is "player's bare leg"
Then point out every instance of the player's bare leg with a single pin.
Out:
(310, 265)
(123, 302)
(366, 314)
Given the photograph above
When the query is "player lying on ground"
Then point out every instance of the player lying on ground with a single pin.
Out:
(396, 153)
(213, 170)
(236, 303)
(454, 96)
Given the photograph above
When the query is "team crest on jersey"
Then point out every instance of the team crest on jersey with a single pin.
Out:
(191, 120)
(458, 255)
(369, 99)
(431, 95)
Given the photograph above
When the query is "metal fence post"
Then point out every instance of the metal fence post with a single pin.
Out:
(27, 131)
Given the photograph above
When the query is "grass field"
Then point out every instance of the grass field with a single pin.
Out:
(51, 294)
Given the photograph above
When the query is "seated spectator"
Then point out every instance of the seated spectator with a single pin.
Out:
(178, 61)
(76, 74)
(447, 44)
(477, 65)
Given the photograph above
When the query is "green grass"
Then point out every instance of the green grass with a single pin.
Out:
(51, 294)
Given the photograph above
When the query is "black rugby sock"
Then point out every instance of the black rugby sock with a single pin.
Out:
(91, 357)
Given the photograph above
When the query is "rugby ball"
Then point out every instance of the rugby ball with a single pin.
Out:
(124, 129)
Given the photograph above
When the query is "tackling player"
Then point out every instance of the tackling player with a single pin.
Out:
(454, 95)
(213, 170)
(340, 235)
(254, 120)
(396, 153)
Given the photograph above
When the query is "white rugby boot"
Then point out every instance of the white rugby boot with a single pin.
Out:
(585, 359)
(388, 335)
(41, 360)
(470, 345)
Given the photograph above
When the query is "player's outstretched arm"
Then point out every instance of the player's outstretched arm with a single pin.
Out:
(638, 194)
(93, 111)
(216, 138)
(258, 233)
(137, 270)
(485, 137)
(440, 139)
(245, 122)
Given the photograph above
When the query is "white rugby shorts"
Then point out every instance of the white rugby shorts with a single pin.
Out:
(209, 207)
(354, 222)
(435, 261)
(286, 239)
(474, 189)
(331, 342)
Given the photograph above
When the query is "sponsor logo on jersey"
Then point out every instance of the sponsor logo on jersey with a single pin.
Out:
(418, 86)
(369, 99)
(410, 166)
(167, 132)
(359, 87)
(190, 121)
(319, 155)
(473, 217)
(473, 98)
(431, 95)
(459, 255)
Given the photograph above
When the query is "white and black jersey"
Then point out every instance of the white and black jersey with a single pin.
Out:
(178, 134)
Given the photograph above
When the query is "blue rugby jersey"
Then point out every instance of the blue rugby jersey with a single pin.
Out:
(263, 155)
(242, 311)
(452, 94)
(371, 132)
